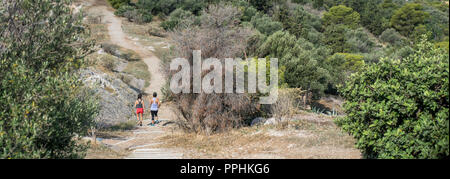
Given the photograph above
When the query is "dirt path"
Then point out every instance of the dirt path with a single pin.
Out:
(141, 142)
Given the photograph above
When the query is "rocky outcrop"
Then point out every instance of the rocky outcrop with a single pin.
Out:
(116, 97)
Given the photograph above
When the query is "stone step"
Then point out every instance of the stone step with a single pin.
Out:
(148, 132)
(146, 150)
(147, 145)
(154, 156)
(152, 153)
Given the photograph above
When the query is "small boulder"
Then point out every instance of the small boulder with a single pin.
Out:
(271, 121)
(258, 121)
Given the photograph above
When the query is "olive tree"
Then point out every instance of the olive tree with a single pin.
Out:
(399, 108)
(44, 108)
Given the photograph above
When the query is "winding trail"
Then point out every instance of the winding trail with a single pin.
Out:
(141, 143)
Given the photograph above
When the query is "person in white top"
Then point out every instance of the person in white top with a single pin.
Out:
(155, 104)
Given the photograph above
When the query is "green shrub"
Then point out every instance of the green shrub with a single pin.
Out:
(169, 25)
(408, 17)
(247, 13)
(175, 18)
(394, 38)
(334, 37)
(254, 43)
(134, 14)
(139, 16)
(158, 6)
(358, 41)
(278, 45)
(263, 5)
(299, 22)
(399, 108)
(403, 52)
(303, 62)
(116, 4)
(123, 9)
(165, 7)
(341, 15)
(341, 65)
(376, 16)
(44, 107)
(443, 45)
(437, 23)
(317, 4)
(193, 6)
(265, 24)
(144, 16)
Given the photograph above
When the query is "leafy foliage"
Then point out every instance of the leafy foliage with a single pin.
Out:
(300, 23)
(335, 37)
(407, 18)
(438, 21)
(300, 58)
(376, 15)
(394, 38)
(123, 9)
(341, 15)
(265, 24)
(357, 41)
(158, 6)
(134, 14)
(139, 16)
(177, 17)
(400, 108)
(342, 65)
(264, 5)
(44, 107)
(318, 3)
(166, 7)
(116, 4)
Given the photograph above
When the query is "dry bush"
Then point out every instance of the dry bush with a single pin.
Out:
(129, 55)
(120, 52)
(110, 48)
(109, 64)
(157, 32)
(288, 103)
(217, 36)
(125, 78)
(94, 19)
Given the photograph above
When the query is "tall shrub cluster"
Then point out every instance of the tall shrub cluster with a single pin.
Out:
(44, 108)
(118, 3)
(217, 36)
(303, 61)
(400, 108)
(134, 14)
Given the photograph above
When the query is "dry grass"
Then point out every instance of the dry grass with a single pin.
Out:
(120, 52)
(139, 70)
(140, 33)
(99, 151)
(96, 25)
(331, 103)
(288, 102)
(120, 130)
(303, 138)
(98, 33)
